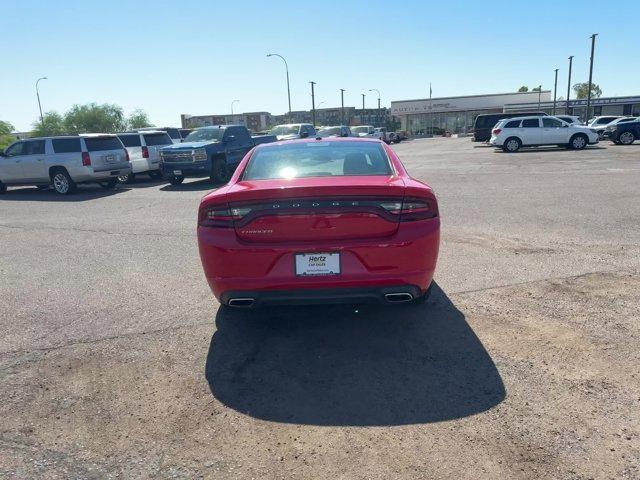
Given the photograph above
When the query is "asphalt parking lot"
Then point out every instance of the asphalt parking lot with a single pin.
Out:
(116, 361)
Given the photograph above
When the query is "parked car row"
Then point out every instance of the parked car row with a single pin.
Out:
(512, 134)
(66, 161)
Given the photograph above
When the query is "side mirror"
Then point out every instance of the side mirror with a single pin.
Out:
(304, 134)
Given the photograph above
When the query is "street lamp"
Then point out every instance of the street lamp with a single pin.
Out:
(313, 104)
(593, 46)
(232, 117)
(286, 67)
(566, 110)
(378, 92)
(555, 89)
(39, 105)
(342, 106)
(539, 93)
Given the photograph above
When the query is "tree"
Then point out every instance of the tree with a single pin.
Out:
(52, 124)
(5, 134)
(93, 118)
(138, 119)
(582, 90)
(523, 89)
(536, 89)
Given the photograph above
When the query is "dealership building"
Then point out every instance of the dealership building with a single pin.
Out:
(457, 114)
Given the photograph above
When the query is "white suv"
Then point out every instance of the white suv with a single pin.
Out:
(144, 152)
(64, 162)
(511, 134)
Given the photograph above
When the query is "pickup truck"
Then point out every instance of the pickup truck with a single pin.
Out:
(209, 151)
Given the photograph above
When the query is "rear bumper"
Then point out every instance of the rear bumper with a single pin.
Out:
(407, 258)
(88, 175)
(266, 298)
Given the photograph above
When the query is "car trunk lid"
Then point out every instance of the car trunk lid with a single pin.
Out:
(315, 209)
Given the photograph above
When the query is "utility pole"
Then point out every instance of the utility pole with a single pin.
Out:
(39, 105)
(539, 93)
(313, 105)
(362, 115)
(555, 89)
(342, 106)
(566, 110)
(593, 46)
(233, 118)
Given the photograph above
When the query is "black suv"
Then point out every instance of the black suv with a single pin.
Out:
(626, 133)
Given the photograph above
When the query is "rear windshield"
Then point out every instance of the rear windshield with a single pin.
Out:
(317, 159)
(152, 139)
(98, 144)
(130, 140)
(327, 132)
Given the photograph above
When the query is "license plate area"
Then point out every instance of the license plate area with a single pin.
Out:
(317, 264)
(177, 172)
(110, 158)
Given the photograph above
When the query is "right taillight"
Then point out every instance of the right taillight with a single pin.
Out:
(411, 209)
(496, 131)
(418, 209)
(145, 152)
(86, 159)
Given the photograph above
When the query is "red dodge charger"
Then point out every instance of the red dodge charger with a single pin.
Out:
(332, 220)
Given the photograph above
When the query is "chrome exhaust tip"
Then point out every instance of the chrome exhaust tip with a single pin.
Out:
(398, 297)
(241, 302)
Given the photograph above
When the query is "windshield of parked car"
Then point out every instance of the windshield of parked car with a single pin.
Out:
(205, 135)
(328, 131)
(317, 159)
(360, 129)
(285, 130)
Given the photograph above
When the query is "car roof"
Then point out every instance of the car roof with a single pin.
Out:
(95, 135)
(313, 140)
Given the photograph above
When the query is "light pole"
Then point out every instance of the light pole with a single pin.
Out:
(566, 110)
(555, 89)
(342, 106)
(233, 119)
(286, 67)
(313, 105)
(378, 92)
(593, 46)
(39, 105)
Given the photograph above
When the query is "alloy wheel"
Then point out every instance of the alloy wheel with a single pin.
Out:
(626, 138)
(578, 143)
(61, 183)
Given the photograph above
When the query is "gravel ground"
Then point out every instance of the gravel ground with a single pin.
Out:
(115, 360)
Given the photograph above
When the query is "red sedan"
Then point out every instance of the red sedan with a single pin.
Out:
(319, 221)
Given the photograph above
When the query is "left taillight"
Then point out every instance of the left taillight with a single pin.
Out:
(86, 159)
(145, 152)
(215, 216)
(496, 131)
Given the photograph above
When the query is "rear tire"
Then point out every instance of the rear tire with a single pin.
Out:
(626, 138)
(110, 184)
(176, 179)
(578, 142)
(511, 145)
(3, 188)
(128, 178)
(62, 182)
(220, 172)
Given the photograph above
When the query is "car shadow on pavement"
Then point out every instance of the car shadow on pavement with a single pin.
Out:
(549, 149)
(358, 366)
(205, 184)
(83, 194)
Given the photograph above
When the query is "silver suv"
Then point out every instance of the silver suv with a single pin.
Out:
(64, 162)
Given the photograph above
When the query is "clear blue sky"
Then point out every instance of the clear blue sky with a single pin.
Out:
(197, 56)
